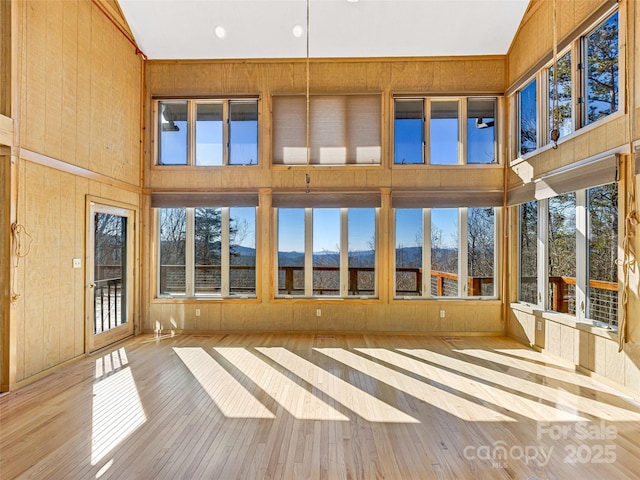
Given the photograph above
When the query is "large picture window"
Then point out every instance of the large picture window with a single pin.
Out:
(327, 252)
(224, 132)
(528, 258)
(207, 251)
(527, 118)
(455, 259)
(456, 131)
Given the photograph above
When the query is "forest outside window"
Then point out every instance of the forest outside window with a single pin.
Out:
(207, 251)
(581, 270)
(326, 252)
(207, 132)
(441, 131)
(457, 257)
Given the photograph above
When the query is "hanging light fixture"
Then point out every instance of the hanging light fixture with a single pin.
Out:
(307, 177)
(555, 110)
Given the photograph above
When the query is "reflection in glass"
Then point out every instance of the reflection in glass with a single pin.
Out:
(172, 128)
(481, 132)
(443, 132)
(209, 134)
(408, 132)
(243, 132)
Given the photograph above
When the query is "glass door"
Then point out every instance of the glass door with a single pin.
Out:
(110, 274)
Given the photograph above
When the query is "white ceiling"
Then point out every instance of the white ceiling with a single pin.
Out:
(186, 29)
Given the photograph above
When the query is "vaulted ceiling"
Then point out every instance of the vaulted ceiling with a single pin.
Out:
(246, 29)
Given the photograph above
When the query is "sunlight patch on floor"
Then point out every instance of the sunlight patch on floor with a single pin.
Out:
(358, 401)
(117, 412)
(233, 399)
(294, 398)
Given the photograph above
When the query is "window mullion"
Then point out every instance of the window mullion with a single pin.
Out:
(226, 134)
(191, 133)
(426, 252)
(463, 247)
(308, 252)
(426, 142)
(582, 286)
(190, 254)
(224, 253)
(462, 132)
(344, 252)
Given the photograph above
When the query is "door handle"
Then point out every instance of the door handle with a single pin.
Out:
(92, 285)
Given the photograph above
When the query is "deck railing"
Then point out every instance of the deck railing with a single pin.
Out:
(108, 304)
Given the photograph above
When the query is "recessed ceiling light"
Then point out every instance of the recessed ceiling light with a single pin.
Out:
(352, 1)
(298, 31)
(220, 31)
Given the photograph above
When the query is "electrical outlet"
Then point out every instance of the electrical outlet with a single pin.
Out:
(441, 313)
(77, 263)
(197, 312)
(539, 324)
(318, 312)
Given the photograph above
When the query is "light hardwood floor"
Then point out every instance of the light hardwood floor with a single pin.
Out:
(307, 406)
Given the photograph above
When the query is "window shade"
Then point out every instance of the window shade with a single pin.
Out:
(344, 129)
(578, 176)
(188, 199)
(326, 199)
(586, 174)
(447, 198)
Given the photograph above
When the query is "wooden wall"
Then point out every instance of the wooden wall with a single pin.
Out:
(590, 349)
(441, 76)
(77, 107)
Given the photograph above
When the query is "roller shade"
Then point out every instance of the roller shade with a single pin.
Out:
(188, 199)
(579, 176)
(344, 129)
(326, 199)
(521, 194)
(447, 198)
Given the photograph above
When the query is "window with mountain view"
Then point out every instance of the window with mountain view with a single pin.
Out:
(207, 251)
(437, 265)
(327, 252)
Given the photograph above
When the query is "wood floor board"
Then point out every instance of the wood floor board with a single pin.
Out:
(277, 406)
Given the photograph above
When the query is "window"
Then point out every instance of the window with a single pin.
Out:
(595, 91)
(457, 258)
(458, 131)
(582, 270)
(562, 253)
(327, 252)
(224, 132)
(601, 70)
(443, 133)
(528, 288)
(207, 251)
(602, 237)
(527, 120)
(409, 131)
(481, 131)
(560, 97)
(343, 129)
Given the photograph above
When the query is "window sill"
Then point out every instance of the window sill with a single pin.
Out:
(575, 134)
(205, 299)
